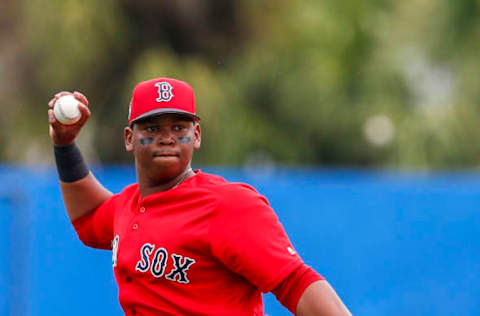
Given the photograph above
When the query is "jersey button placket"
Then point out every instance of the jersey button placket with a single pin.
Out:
(142, 210)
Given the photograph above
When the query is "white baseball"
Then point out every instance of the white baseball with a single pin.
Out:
(66, 110)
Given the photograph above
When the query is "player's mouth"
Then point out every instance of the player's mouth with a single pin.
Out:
(165, 154)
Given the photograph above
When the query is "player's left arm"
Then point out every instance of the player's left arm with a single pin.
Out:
(305, 292)
(319, 298)
(267, 259)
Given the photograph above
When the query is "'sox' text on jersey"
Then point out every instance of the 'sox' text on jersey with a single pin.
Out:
(154, 260)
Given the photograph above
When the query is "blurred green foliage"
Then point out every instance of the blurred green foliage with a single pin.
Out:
(345, 83)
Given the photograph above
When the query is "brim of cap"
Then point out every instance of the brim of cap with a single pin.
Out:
(157, 112)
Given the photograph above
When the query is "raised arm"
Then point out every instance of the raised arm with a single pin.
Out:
(81, 191)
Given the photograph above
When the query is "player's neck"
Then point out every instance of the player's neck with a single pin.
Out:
(148, 187)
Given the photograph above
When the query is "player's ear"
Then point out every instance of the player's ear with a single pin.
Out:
(197, 140)
(128, 133)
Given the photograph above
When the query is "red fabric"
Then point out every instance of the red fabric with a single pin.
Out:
(291, 289)
(206, 247)
(95, 229)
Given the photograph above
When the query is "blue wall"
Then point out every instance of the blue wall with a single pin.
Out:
(389, 243)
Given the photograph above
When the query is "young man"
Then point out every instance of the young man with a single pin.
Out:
(184, 242)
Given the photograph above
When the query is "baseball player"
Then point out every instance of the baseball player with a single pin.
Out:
(184, 242)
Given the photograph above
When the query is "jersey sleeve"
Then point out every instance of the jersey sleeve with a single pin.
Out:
(247, 237)
(289, 291)
(95, 229)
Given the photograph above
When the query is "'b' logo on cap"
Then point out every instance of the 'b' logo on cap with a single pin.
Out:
(164, 91)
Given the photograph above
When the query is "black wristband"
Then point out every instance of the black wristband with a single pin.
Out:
(70, 164)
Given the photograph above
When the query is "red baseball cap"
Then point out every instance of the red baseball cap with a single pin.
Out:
(160, 96)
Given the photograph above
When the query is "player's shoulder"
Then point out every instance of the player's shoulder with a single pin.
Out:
(128, 192)
(234, 199)
(205, 179)
(226, 190)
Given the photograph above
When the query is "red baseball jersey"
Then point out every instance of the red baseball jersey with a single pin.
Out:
(206, 247)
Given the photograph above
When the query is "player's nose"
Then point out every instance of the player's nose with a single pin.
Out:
(165, 137)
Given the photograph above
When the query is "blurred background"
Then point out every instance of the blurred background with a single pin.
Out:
(359, 120)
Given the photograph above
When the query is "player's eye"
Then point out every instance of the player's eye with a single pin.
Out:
(152, 129)
(178, 128)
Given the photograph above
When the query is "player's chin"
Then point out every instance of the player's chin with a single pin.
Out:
(164, 171)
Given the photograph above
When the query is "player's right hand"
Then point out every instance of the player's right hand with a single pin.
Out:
(63, 135)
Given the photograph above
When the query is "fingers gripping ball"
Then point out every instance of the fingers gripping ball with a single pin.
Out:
(66, 110)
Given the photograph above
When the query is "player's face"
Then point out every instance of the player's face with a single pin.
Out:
(163, 145)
